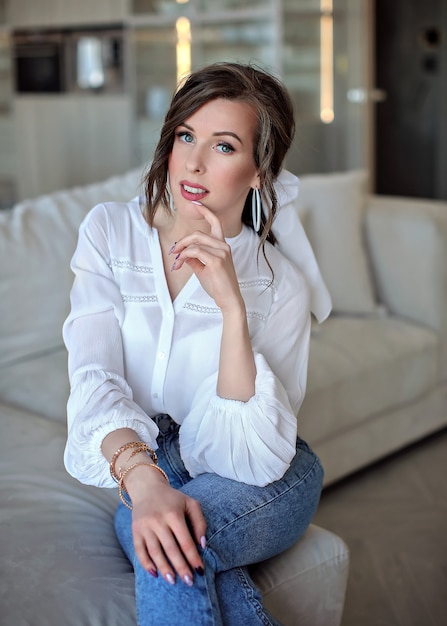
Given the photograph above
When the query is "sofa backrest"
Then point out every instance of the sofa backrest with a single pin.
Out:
(407, 240)
(37, 240)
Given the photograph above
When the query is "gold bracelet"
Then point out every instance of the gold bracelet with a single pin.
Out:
(122, 488)
(139, 446)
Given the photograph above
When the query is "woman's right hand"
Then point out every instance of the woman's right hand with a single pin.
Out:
(161, 522)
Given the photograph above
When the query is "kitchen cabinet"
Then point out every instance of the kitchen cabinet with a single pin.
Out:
(65, 141)
(48, 13)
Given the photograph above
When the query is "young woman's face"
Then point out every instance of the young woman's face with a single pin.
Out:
(212, 161)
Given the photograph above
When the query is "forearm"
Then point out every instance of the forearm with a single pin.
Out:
(113, 442)
(237, 370)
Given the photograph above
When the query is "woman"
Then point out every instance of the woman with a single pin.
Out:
(188, 341)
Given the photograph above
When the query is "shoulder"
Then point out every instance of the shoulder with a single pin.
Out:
(281, 274)
(287, 277)
(116, 213)
(116, 220)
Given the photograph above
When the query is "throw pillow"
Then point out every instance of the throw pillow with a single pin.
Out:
(334, 206)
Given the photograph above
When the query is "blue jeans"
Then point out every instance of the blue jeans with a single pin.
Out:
(245, 525)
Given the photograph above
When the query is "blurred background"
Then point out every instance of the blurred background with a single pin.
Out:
(84, 85)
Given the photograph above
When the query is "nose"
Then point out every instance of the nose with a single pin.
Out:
(195, 161)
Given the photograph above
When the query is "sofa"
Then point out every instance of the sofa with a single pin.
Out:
(377, 381)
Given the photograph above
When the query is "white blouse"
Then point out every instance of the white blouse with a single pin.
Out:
(133, 353)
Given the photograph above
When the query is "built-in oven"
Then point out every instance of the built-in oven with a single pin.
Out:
(39, 62)
(81, 60)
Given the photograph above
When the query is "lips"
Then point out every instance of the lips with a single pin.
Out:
(190, 191)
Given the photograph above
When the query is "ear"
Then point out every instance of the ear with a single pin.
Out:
(256, 182)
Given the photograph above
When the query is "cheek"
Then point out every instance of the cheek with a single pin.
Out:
(240, 177)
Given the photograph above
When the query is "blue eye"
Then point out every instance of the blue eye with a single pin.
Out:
(225, 148)
(185, 136)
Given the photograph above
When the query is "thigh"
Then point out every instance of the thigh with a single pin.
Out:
(247, 524)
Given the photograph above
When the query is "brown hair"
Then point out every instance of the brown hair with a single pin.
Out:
(273, 137)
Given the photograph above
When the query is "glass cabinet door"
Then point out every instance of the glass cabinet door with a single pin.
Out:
(318, 47)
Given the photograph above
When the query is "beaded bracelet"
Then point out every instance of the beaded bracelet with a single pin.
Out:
(122, 488)
(139, 446)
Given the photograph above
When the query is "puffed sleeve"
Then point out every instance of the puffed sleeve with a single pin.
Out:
(254, 442)
(100, 399)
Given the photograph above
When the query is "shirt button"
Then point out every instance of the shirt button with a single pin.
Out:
(161, 355)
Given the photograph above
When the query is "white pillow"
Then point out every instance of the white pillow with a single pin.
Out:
(334, 206)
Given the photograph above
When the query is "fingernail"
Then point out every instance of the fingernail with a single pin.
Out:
(170, 578)
(172, 248)
(196, 202)
(173, 266)
(200, 571)
(153, 573)
(188, 580)
(203, 542)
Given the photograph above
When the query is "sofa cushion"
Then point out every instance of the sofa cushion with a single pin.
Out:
(333, 207)
(38, 384)
(59, 558)
(37, 240)
(361, 367)
(321, 578)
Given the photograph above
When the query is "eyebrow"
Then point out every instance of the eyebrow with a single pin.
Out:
(218, 133)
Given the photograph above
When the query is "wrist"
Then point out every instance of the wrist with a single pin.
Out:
(236, 311)
(138, 479)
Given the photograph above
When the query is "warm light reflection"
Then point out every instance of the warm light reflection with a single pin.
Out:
(327, 62)
(183, 48)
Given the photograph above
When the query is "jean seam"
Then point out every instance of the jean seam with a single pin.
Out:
(316, 463)
(249, 594)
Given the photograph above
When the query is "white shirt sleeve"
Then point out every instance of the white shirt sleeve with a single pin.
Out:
(255, 441)
(100, 399)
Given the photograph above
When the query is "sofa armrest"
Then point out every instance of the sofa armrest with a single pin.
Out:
(407, 241)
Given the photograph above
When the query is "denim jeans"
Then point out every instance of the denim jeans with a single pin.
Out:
(245, 524)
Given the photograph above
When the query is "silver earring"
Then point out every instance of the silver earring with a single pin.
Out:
(256, 208)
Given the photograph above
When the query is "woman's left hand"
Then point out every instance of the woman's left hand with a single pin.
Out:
(209, 257)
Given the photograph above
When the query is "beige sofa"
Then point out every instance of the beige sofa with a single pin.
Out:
(377, 380)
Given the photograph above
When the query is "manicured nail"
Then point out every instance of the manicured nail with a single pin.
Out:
(174, 265)
(200, 571)
(170, 578)
(172, 248)
(153, 573)
(203, 542)
(188, 580)
(196, 202)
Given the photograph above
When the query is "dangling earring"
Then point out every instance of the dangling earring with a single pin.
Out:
(256, 208)
(169, 192)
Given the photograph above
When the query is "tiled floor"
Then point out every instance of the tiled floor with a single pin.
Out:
(393, 516)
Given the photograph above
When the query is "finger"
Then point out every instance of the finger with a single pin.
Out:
(198, 237)
(212, 219)
(173, 543)
(197, 521)
(158, 555)
(195, 253)
(189, 551)
(143, 556)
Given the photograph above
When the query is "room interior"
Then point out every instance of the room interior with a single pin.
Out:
(369, 85)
